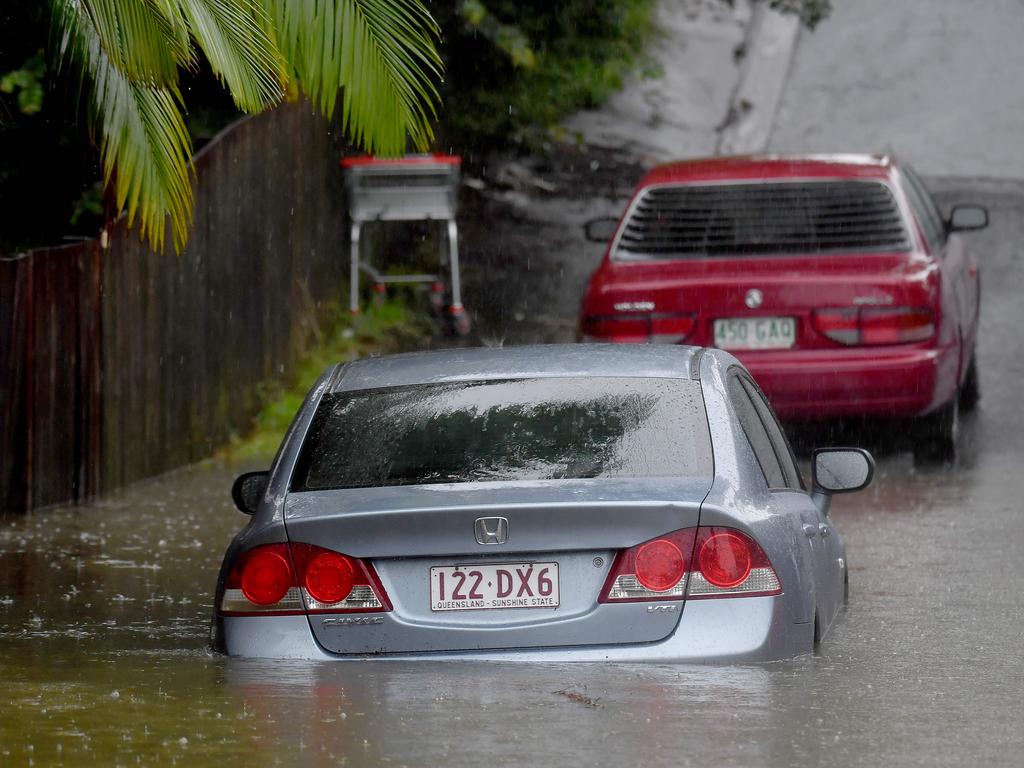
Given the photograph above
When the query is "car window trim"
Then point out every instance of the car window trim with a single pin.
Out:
(758, 394)
(926, 211)
(736, 375)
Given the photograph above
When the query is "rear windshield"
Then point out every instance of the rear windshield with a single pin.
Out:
(524, 429)
(687, 221)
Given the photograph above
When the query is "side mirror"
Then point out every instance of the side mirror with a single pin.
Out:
(600, 230)
(964, 218)
(841, 470)
(248, 489)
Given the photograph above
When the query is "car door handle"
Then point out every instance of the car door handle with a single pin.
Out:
(824, 529)
(810, 531)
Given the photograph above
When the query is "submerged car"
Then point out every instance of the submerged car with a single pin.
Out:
(561, 503)
(835, 279)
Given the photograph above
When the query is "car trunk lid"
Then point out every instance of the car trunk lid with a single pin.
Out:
(415, 535)
(736, 289)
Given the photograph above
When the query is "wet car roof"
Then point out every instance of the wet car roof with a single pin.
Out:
(748, 167)
(479, 364)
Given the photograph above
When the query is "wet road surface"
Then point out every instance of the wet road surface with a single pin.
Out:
(104, 617)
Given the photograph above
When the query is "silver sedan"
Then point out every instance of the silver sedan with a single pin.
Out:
(562, 503)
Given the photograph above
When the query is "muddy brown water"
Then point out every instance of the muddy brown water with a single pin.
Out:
(104, 619)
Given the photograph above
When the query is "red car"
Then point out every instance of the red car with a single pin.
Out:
(835, 279)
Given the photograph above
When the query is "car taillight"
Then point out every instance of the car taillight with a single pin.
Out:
(285, 579)
(335, 583)
(691, 563)
(654, 570)
(266, 577)
(895, 325)
(660, 327)
(329, 577)
(875, 325)
(730, 563)
(659, 565)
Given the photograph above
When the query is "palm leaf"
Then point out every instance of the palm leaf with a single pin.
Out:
(233, 35)
(144, 40)
(381, 53)
(144, 146)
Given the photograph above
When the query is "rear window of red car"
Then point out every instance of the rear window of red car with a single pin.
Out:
(758, 218)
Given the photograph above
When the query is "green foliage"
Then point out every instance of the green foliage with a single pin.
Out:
(516, 67)
(390, 327)
(46, 160)
(142, 129)
(810, 11)
(381, 52)
(28, 82)
(130, 55)
(90, 203)
(508, 38)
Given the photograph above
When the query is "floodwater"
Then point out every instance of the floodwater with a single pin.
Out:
(104, 619)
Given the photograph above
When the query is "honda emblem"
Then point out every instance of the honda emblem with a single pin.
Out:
(491, 530)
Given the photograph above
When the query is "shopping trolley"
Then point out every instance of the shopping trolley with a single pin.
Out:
(407, 189)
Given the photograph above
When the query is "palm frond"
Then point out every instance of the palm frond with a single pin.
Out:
(381, 53)
(144, 146)
(143, 39)
(233, 35)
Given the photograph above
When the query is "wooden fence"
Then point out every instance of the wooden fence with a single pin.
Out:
(119, 363)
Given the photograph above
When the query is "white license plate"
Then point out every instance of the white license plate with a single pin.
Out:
(498, 585)
(755, 332)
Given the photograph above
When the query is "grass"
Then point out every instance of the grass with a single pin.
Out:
(394, 326)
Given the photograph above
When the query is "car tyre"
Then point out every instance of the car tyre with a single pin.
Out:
(970, 392)
(937, 434)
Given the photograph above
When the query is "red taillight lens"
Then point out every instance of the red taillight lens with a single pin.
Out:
(266, 577)
(838, 324)
(664, 327)
(724, 559)
(653, 570)
(301, 578)
(895, 325)
(875, 325)
(659, 565)
(619, 328)
(671, 328)
(329, 577)
(728, 563)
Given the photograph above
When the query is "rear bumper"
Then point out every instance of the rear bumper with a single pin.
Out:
(888, 382)
(730, 630)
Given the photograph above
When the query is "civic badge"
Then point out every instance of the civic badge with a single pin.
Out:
(491, 530)
(753, 298)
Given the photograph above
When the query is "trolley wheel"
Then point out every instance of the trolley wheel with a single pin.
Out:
(460, 321)
(436, 298)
